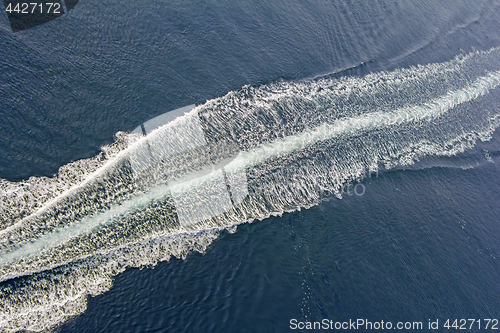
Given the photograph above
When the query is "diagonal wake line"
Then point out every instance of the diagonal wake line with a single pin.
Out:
(99, 172)
(342, 127)
(349, 126)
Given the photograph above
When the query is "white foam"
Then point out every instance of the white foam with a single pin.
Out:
(204, 197)
(290, 145)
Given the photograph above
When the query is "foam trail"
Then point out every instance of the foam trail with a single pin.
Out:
(433, 109)
(86, 225)
(245, 156)
(261, 154)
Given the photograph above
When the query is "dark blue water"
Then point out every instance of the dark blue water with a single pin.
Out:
(68, 86)
(419, 244)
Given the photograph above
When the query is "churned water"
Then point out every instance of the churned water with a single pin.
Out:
(359, 140)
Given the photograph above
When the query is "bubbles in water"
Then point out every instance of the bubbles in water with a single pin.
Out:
(170, 186)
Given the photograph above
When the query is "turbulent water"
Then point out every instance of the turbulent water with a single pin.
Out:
(253, 153)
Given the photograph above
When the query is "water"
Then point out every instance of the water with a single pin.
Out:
(392, 99)
(388, 258)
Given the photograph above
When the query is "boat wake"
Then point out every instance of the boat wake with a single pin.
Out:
(173, 184)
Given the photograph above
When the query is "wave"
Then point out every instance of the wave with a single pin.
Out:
(253, 153)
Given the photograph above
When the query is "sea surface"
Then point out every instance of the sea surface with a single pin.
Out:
(341, 161)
